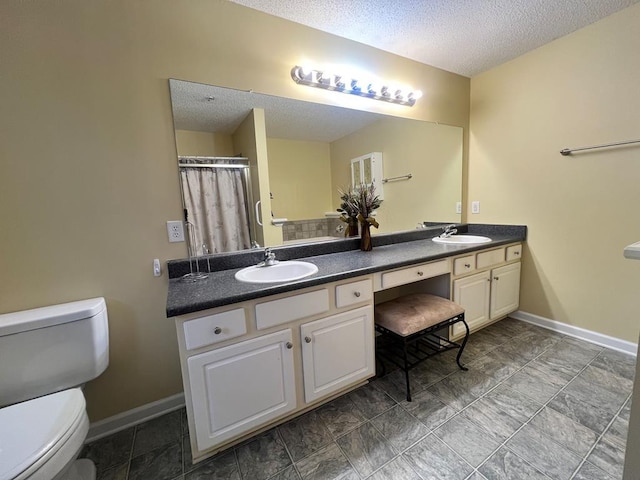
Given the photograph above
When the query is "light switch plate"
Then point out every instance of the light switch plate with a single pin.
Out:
(157, 269)
(475, 206)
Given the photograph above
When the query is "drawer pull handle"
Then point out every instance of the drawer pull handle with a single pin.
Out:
(467, 265)
(357, 294)
(516, 253)
(420, 273)
(217, 330)
(307, 339)
(289, 345)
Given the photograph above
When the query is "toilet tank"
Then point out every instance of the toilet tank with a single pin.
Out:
(49, 349)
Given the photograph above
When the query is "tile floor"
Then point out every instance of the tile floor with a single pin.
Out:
(533, 405)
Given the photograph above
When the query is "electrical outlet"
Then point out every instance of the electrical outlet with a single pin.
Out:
(175, 230)
(458, 207)
(475, 207)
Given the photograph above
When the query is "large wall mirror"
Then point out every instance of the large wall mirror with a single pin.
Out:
(263, 170)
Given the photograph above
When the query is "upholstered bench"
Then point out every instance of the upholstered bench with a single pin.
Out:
(409, 328)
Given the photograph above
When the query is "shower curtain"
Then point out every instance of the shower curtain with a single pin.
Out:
(216, 207)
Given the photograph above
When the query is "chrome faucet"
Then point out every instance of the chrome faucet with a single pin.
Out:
(269, 258)
(448, 231)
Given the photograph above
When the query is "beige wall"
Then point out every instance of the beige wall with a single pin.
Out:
(300, 178)
(431, 153)
(88, 152)
(581, 210)
(204, 144)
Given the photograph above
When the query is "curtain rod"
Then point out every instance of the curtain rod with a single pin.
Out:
(191, 157)
(212, 165)
(569, 151)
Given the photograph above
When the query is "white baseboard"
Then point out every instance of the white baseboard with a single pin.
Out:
(121, 421)
(583, 334)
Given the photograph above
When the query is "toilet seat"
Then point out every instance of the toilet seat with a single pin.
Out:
(40, 437)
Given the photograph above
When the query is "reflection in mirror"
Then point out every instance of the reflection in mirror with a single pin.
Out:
(272, 167)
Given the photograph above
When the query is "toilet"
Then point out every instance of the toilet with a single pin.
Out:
(46, 354)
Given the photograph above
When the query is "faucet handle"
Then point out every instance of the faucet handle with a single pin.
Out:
(449, 230)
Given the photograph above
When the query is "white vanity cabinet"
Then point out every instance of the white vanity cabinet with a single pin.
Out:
(505, 290)
(249, 366)
(487, 286)
(239, 387)
(337, 351)
(473, 293)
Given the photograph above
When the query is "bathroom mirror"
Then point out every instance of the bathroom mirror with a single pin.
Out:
(274, 167)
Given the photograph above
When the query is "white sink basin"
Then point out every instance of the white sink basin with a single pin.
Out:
(280, 272)
(462, 239)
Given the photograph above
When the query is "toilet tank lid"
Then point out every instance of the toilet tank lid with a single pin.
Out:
(17, 322)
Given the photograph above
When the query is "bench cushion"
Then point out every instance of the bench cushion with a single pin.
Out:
(409, 314)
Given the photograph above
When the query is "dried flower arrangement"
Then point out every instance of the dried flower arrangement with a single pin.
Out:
(358, 205)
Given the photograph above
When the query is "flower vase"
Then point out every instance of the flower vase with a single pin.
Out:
(365, 237)
(352, 228)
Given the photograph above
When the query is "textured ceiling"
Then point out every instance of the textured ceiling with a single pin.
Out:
(461, 36)
(207, 108)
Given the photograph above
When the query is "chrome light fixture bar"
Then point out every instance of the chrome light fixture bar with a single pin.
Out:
(354, 86)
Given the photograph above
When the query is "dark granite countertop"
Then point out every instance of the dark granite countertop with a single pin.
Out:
(221, 288)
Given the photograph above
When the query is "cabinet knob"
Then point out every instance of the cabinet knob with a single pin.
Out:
(496, 278)
(420, 273)
(307, 339)
(217, 330)
(516, 253)
(357, 294)
(289, 345)
(467, 265)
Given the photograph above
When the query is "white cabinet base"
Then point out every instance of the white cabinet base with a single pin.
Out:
(505, 290)
(491, 294)
(240, 387)
(337, 351)
(473, 294)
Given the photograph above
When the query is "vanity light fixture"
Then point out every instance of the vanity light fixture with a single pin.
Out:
(354, 86)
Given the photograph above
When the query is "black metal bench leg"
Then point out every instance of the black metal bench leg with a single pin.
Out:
(406, 370)
(464, 342)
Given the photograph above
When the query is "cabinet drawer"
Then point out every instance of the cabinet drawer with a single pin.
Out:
(214, 328)
(492, 257)
(354, 292)
(414, 274)
(288, 309)
(464, 265)
(514, 252)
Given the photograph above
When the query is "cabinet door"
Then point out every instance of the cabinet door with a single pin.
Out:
(505, 290)
(337, 351)
(472, 294)
(237, 388)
